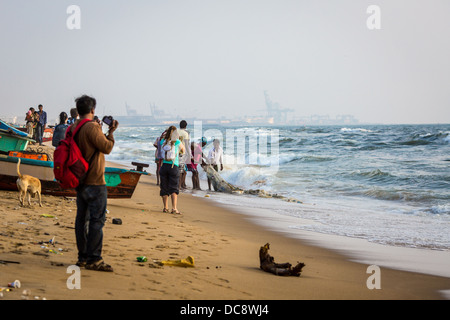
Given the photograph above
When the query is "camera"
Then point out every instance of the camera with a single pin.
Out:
(108, 120)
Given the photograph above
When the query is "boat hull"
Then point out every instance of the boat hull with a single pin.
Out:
(120, 183)
(10, 141)
(46, 136)
(15, 131)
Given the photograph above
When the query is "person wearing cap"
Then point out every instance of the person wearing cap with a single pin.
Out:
(203, 143)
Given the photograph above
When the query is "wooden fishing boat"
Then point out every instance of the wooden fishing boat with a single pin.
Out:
(5, 127)
(120, 183)
(46, 136)
(12, 139)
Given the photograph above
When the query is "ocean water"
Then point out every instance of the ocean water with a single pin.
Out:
(387, 184)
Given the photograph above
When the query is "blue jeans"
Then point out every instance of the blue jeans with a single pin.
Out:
(39, 133)
(91, 216)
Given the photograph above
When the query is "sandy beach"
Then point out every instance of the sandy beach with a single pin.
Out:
(224, 244)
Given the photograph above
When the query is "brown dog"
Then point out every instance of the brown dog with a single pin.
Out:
(28, 185)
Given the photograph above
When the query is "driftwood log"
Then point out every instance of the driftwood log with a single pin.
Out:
(267, 263)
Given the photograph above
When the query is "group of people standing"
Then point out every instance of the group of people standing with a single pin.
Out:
(36, 123)
(92, 192)
(64, 122)
(175, 155)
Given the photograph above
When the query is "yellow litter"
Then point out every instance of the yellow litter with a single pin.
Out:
(187, 263)
(48, 216)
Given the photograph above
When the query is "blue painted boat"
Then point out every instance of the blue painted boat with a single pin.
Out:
(12, 139)
(4, 126)
(120, 183)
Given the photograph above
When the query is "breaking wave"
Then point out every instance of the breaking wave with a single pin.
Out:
(428, 138)
(355, 130)
(400, 170)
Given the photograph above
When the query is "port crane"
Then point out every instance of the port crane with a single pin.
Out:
(274, 111)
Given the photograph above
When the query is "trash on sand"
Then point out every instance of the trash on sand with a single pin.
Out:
(117, 221)
(141, 259)
(55, 252)
(188, 262)
(16, 284)
(48, 216)
(52, 241)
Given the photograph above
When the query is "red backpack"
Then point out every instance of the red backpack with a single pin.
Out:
(69, 164)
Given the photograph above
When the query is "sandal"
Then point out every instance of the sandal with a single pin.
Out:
(81, 264)
(175, 212)
(166, 210)
(99, 266)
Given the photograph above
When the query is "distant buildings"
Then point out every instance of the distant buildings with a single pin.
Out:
(274, 115)
(327, 120)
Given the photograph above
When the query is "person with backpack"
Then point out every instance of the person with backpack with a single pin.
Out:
(158, 159)
(60, 130)
(169, 173)
(91, 192)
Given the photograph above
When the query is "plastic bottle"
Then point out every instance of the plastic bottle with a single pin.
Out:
(141, 259)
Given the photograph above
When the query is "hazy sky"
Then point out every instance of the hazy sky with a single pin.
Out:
(216, 57)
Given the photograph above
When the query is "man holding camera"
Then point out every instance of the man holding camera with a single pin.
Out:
(92, 193)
